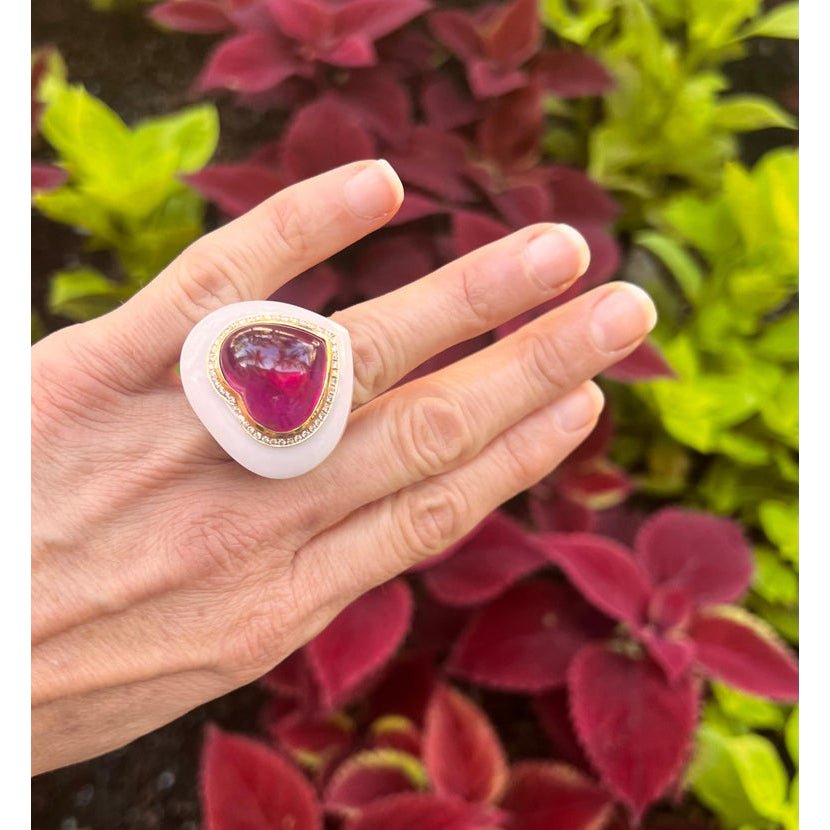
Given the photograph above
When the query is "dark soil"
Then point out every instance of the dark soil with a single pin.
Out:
(140, 71)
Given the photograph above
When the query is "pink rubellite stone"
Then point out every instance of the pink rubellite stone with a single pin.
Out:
(279, 372)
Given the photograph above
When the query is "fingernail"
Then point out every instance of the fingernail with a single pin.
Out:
(558, 256)
(579, 408)
(375, 191)
(621, 317)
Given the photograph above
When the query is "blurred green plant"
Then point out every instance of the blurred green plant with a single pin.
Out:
(741, 776)
(729, 329)
(669, 124)
(123, 192)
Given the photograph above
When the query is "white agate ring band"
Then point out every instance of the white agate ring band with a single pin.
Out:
(271, 382)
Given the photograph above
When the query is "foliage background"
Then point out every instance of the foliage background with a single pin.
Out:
(708, 225)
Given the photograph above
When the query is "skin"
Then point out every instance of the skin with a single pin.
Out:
(165, 575)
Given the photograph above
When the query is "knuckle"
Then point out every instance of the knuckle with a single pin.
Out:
(480, 304)
(521, 459)
(289, 227)
(206, 278)
(546, 363)
(432, 517)
(433, 434)
(372, 358)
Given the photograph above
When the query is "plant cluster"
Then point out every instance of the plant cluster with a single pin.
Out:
(604, 648)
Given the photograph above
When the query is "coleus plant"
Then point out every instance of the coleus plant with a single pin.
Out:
(613, 659)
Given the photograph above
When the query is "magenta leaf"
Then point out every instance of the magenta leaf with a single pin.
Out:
(359, 641)
(381, 101)
(314, 289)
(491, 560)
(515, 34)
(434, 161)
(707, 556)
(446, 104)
(525, 639)
(416, 206)
(571, 74)
(323, 135)
(303, 20)
(634, 725)
(235, 188)
(510, 134)
(456, 31)
(47, 177)
(249, 62)
(405, 688)
(472, 230)
(461, 750)
(542, 796)
(369, 776)
(675, 654)
(247, 786)
(421, 811)
(645, 363)
(737, 647)
(604, 572)
(577, 199)
(196, 16)
(553, 713)
(376, 18)
(489, 81)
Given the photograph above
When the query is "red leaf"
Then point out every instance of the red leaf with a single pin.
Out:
(247, 786)
(250, 62)
(421, 811)
(314, 289)
(578, 199)
(511, 133)
(525, 639)
(741, 650)
(675, 655)
(359, 641)
(313, 741)
(292, 679)
(489, 81)
(381, 101)
(405, 688)
(235, 188)
(47, 177)
(196, 16)
(707, 556)
(646, 362)
(323, 135)
(305, 20)
(374, 19)
(461, 750)
(446, 104)
(434, 161)
(392, 260)
(552, 712)
(604, 572)
(395, 732)
(472, 230)
(542, 796)
(369, 776)
(597, 485)
(416, 206)
(571, 74)
(456, 31)
(498, 554)
(523, 202)
(515, 35)
(351, 51)
(634, 725)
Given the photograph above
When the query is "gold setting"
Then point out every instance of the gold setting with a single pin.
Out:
(234, 400)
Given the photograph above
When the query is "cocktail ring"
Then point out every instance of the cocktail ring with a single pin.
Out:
(271, 382)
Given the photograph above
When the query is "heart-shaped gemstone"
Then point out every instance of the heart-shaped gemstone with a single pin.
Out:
(278, 371)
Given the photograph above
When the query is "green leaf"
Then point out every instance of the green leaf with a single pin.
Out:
(782, 21)
(674, 256)
(779, 340)
(192, 134)
(743, 113)
(93, 142)
(741, 778)
(779, 521)
(775, 581)
(72, 207)
(791, 735)
(750, 711)
(84, 293)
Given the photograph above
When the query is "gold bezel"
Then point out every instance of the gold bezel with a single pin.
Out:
(257, 431)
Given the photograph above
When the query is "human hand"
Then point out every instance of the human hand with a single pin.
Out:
(165, 575)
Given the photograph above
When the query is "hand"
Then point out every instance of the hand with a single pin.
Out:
(165, 575)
